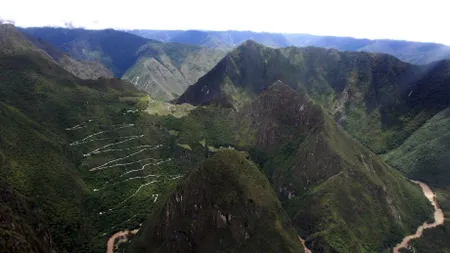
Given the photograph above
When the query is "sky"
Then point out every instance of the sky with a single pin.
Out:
(376, 19)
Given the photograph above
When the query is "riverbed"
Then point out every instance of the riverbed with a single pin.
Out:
(438, 218)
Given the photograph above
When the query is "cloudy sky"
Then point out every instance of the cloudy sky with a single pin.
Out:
(375, 19)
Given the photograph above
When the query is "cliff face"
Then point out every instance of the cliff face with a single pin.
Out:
(225, 205)
(22, 228)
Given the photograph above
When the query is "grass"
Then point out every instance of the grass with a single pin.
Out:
(184, 146)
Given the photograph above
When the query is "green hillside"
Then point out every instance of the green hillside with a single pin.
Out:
(165, 70)
(83, 159)
(375, 97)
(81, 69)
(114, 49)
(22, 229)
(242, 215)
(340, 196)
(83, 150)
(13, 42)
(424, 156)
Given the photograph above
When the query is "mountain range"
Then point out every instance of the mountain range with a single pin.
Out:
(164, 70)
(368, 94)
(277, 145)
(409, 51)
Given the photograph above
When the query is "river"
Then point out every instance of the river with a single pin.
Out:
(438, 218)
(118, 235)
(304, 245)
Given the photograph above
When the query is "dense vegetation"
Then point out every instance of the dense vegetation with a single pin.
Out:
(376, 98)
(243, 214)
(413, 52)
(424, 156)
(165, 70)
(57, 129)
(114, 49)
(87, 158)
(22, 228)
(323, 177)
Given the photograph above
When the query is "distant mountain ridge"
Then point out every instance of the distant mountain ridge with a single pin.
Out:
(14, 42)
(114, 49)
(164, 70)
(409, 51)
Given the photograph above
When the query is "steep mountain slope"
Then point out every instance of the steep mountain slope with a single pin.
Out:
(83, 150)
(409, 51)
(96, 163)
(22, 228)
(340, 196)
(424, 155)
(377, 98)
(243, 215)
(165, 70)
(13, 42)
(81, 69)
(39, 100)
(114, 49)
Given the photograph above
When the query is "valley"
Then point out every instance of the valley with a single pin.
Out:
(218, 145)
(438, 218)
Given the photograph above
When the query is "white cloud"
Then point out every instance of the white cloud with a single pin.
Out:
(395, 19)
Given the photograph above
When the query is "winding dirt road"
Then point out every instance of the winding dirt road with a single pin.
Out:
(438, 218)
(114, 237)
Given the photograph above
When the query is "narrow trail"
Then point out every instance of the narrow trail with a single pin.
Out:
(114, 237)
(438, 218)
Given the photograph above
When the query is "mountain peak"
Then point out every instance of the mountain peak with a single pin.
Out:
(251, 43)
(279, 85)
(236, 218)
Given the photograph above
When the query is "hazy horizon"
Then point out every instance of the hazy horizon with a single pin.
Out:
(400, 20)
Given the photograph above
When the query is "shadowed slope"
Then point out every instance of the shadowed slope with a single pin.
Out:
(165, 70)
(340, 196)
(226, 205)
(376, 98)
